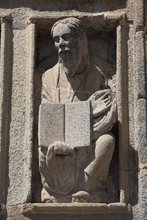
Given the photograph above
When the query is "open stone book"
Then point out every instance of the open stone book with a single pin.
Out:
(69, 123)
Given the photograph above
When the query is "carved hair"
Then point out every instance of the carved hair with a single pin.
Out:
(73, 23)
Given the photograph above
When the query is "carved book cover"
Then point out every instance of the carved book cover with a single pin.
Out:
(65, 122)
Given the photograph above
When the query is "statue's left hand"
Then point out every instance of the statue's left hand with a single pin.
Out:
(100, 102)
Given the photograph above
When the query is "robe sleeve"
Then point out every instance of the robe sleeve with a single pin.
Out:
(46, 96)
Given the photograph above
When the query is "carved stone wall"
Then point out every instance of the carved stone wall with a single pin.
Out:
(117, 42)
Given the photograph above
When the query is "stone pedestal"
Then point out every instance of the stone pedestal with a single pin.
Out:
(88, 211)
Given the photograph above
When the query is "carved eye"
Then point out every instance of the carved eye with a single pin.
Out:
(67, 37)
(56, 39)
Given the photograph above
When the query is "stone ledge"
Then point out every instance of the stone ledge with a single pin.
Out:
(75, 208)
(115, 15)
(95, 21)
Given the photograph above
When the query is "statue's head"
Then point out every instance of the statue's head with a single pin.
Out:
(71, 43)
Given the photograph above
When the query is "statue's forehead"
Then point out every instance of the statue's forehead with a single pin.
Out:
(61, 29)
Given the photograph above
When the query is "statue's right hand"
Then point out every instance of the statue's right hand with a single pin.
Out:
(62, 148)
(59, 151)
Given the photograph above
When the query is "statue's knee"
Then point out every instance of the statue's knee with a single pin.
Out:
(109, 139)
(106, 141)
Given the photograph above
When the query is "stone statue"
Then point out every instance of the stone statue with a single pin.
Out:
(77, 174)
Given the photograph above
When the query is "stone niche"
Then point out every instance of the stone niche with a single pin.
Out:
(117, 43)
(107, 47)
(102, 49)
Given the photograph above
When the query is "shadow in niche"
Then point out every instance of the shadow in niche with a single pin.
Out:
(132, 159)
(64, 5)
(45, 59)
(113, 191)
(112, 183)
(102, 50)
(36, 179)
(6, 112)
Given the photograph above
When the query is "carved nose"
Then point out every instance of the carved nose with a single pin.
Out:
(61, 42)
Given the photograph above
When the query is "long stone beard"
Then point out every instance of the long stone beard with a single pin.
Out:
(69, 62)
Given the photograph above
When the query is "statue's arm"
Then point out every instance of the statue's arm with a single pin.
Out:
(104, 112)
(105, 122)
(46, 95)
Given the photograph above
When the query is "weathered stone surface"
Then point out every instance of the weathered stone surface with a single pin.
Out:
(20, 96)
(74, 209)
(77, 124)
(17, 192)
(59, 122)
(143, 191)
(139, 15)
(5, 99)
(68, 211)
(51, 123)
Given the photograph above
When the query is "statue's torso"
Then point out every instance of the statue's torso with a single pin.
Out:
(59, 88)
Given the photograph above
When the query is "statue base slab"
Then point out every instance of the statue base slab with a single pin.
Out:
(76, 211)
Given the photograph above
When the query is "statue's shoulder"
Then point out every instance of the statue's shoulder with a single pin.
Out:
(48, 74)
(98, 76)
